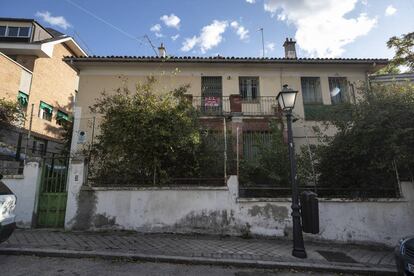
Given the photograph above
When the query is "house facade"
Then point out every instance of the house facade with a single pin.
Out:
(33, 73)
(242, 90)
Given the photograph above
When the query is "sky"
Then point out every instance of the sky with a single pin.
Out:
(322, 28)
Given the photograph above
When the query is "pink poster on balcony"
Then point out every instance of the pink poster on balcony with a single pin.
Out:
(212, 101)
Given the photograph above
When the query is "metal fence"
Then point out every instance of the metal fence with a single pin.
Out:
(270, 191)
(222, 106)
(8, 167)
(212, 161)
(262, 173)
(212, 105)
(260, 106)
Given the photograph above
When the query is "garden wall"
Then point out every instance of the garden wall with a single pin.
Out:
(219, 210)
(26, 188)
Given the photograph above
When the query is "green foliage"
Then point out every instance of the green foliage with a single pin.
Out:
(271, 166)
(66, 133)
(10, 112)
(148, 137)
(306, 163)
(404, 51)
(373, 135)
(321, 112)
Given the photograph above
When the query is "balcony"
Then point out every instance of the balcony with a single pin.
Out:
(236, 106)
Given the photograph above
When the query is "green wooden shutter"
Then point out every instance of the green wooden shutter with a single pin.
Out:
(23, 99)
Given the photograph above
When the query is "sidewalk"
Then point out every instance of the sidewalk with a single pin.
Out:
(196, 249)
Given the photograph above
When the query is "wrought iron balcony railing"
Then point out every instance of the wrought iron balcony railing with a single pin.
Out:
(235, 105)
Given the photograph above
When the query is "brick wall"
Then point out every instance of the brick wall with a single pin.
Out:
(53, 83)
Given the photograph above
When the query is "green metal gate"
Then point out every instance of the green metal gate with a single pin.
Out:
(53, 193)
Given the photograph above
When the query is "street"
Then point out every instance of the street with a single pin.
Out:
(45, 266)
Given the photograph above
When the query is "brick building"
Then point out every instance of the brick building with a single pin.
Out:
(32, 72)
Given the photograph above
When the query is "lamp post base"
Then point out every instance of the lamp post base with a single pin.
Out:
(299, 253)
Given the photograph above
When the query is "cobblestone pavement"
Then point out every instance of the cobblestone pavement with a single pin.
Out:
(212, 247)
(46, 266)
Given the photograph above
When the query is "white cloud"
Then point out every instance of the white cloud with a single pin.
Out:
(269, 47)
(210, 36)
(58, 21)
(189, 43)
(322, 29)
(171, 21)
(175, 37)
(156, 28)
(390, 10)
(251, 1)
(240, 30)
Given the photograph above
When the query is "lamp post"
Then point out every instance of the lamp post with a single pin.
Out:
(286, 99)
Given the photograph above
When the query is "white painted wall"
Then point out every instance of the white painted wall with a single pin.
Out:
(26, 189)
(220, 211)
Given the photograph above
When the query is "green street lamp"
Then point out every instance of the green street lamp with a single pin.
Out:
(286, 99)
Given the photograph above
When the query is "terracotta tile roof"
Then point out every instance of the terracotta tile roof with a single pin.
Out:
(221, 59)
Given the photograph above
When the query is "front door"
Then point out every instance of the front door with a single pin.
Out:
(53, 193)
(211, 95)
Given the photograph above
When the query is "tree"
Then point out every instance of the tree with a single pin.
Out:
(404, 54)
(146, 137)
(10, 112)
(373, 136)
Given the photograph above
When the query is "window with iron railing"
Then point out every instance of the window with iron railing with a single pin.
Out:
(249, 88)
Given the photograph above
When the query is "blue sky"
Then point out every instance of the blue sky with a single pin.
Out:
(322, 28)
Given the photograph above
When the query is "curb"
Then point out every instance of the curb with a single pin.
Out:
(320, 267)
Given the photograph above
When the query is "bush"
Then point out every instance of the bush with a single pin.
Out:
(150, 138)
(271, 165)
(373, 136)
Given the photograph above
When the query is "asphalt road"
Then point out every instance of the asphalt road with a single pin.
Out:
(45, 266)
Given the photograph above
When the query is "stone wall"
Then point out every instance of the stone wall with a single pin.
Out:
(219, 210)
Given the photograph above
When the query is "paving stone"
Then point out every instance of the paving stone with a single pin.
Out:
(191, 245)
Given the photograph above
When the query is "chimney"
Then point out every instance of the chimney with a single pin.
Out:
(290, 48)
(161, 51)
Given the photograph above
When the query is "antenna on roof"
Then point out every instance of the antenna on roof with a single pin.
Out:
(152, 45)
(263, 47)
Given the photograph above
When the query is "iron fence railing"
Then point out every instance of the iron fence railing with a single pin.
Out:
(212, 105)
(149, 182)
(259, 106)
(322, 192)
(11, 167)
(221, 106)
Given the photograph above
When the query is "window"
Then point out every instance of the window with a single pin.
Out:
(249, 88)
(2, 30)
(13, 31)
(311, 90)
(24, 31)
(254, 141)
(62, 117)
(23, 99)
(338, 87)
(45, 111)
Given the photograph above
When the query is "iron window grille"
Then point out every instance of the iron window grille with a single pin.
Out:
(249, 88)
